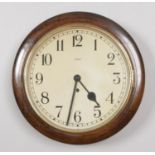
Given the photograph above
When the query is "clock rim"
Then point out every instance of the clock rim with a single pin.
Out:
(119, 121)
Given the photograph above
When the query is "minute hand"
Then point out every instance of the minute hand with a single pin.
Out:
(72, 100)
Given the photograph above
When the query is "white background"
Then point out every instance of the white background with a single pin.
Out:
(16, 20)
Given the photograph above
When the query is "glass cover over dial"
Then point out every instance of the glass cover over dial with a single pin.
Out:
(78, 77)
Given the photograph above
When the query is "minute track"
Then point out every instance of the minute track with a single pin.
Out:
(89, 97)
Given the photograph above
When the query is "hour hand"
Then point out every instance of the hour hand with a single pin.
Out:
(92, 96)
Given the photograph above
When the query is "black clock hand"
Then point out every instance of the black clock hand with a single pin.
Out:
(84, 86)
(76, 79)
(91, 95)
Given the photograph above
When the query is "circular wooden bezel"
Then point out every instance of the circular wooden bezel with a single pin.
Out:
(118, 122)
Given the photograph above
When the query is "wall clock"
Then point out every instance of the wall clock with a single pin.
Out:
(78, 78)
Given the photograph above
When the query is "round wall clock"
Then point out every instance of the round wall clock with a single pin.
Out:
(78, 78)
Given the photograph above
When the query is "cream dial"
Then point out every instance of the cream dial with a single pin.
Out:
(78, 78)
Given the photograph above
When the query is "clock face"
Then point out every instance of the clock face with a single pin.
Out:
(78, 77)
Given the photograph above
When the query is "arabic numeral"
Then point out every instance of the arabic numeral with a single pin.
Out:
(59, 107)
(46, 59)
(39, 78)
(77, 39)
(77, 116)
(110, 98)
(117, 79)
(97, 112)
(44, 98)
(111, 57)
